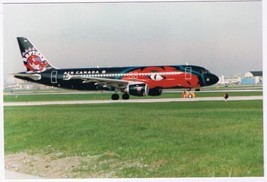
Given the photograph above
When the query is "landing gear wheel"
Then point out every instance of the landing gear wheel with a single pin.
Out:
(115, 97)
(125, 96)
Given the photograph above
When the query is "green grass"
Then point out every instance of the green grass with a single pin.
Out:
(107, 96)
(178, 139)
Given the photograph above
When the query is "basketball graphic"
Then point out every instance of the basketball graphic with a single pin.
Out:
(34, 61)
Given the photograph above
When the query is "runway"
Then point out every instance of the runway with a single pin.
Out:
(38, 103)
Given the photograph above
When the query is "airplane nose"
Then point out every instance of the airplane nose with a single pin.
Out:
(211, 79)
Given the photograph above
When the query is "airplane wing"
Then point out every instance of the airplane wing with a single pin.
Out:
(120, 84)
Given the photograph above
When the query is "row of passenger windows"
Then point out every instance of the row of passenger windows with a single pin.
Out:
(130, 74)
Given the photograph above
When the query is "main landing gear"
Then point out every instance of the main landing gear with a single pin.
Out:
(116, 96)
(125, 96)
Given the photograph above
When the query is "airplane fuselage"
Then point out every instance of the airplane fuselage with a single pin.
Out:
(132, 80)
(163, 77)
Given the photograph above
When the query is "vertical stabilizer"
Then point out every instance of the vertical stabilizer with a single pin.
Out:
(33, 59)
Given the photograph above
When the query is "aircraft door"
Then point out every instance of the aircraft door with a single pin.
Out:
(188, 71)
(54, 77)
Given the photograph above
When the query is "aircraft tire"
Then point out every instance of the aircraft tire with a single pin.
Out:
(125, 96)
(115, 96)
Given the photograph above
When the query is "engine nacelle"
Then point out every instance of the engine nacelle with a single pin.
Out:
(137, 89)
(155, 92)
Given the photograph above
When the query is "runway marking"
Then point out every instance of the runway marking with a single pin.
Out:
(36, 103)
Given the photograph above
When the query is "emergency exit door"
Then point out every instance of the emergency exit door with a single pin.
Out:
(54, 77)
(188, 71)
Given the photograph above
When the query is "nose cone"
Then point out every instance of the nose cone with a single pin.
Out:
(211, 79)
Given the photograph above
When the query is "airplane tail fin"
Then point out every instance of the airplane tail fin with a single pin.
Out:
(33, 59)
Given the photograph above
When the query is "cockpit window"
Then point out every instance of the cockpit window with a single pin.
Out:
(203, 71)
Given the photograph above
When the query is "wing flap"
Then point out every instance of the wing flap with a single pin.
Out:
(121, 84)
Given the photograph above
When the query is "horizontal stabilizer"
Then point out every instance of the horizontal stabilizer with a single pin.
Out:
(31, 76)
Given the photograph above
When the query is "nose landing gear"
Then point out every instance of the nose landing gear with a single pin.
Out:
(189, 94)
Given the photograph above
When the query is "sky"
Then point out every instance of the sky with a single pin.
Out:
(224, 37)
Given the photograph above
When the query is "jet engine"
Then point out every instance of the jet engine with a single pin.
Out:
(137, 89)
(155, 92)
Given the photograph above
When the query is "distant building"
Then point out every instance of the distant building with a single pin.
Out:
(229, 80)
(252, 78)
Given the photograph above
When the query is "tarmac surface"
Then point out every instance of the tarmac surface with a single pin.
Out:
(36, 103)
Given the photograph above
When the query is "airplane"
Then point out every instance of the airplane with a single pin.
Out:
(131, 80)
